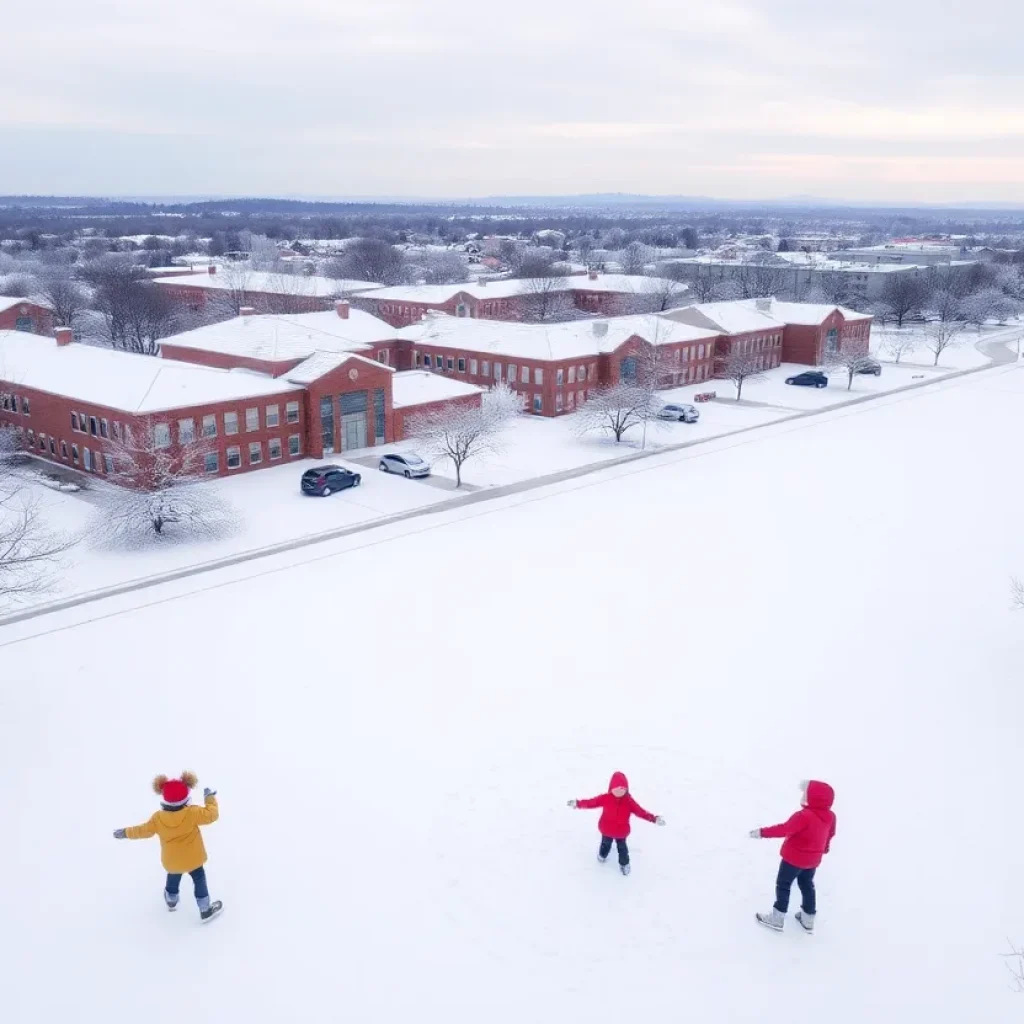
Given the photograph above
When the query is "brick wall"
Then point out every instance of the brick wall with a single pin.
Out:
(27, 316)
(401, 417)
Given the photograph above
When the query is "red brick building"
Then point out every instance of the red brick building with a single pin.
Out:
(23, 315)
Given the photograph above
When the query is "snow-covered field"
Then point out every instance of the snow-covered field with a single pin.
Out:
(394, 731)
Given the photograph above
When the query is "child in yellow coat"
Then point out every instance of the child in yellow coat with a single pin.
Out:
(181, 843)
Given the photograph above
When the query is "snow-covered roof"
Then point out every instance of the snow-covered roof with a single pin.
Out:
(320, 363)
(548, 342)
(742, 316)
(122, 380)
(417, 387)
(7, 303)
(438, 294)
(811, 313)
(238, 278)
(287, 336)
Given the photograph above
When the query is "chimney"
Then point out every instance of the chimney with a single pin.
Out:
(63, 335)
(482, 282)
(592, 275)
(246, 310)
(600, 328)
(765, 305)
(212, 268)
(341, 307)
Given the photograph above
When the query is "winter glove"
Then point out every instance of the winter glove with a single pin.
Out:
(659, 820)
(571, 803)
(755, 833)
(119, 833)
(209, 792)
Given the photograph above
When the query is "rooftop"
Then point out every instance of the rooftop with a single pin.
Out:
(437, 294)
(237, 277)
(122, 380)
(6, 302)
(417, 387)
(320, 363)
(548, 342)
(742, 316)
(286, 336)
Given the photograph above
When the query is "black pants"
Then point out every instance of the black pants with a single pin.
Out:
(804, 877)
(606, 848)
(198, 883)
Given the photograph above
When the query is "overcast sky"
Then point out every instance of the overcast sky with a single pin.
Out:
(867, 100)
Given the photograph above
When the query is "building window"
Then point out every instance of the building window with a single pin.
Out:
(581, 397)
(252, 420)
(382, 356)
(591, 371)
(117, 431)
(294, 445)
(74, 417)
(273, 415)
(82, 422)
(485, 369)
(462, 365)
(274, 445)
(559, 377)
(230, 423)
(63, 449)
(94, 427)
(209, 426)
(53, 447)
(524, 375)
(451, 364)
(571, 399)
(291, 412)
(473, 367)
(104, 429)
(512, 371)
(74, 454)
(186, 431)
(255, 453)
(211, 463)
(108, 464)
(42, 441)
(497, 371)
(538, 403)
(538, 375)
(161, 435)
(87, 459)
(378, 416)
(572, 374)
(700, 351)
(558, 401)
(24, 406)
(14, 403)
(234, 457)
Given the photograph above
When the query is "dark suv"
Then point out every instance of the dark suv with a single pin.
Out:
(809, 379)
(325, 480)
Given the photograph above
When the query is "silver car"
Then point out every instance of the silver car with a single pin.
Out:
(680, 412)
(406, 464)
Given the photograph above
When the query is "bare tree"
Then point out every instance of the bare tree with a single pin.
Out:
(898, 344)
(63, 294)
(904, 296)
(370, 259)
(30, 551)
(441, 268)
(158, 490)
(460, 433)
(546, 298)
(655, 295)
(739, 367)
(945, 304)
(760, 280)
(835, 286)
(987, 304)
(634, 258)
(136, 315)
(851, 360)
(614, 410)
(941, 335)
(534, 264)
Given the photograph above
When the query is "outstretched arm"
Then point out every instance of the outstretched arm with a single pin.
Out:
(209, 812)
(788, 828)
(591, 802)
(640, 812)
(144, 831)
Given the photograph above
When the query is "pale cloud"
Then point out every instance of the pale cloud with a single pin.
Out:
(881, 99)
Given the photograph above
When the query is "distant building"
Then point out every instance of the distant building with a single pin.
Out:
(24, 315)
(923, 254)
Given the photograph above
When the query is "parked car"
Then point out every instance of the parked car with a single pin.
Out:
(870, 366)
(407, 464)
(325, 480)
(681, 413)
(809, 379)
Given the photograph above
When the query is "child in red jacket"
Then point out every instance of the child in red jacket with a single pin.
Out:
(616, 807)
(808, 835)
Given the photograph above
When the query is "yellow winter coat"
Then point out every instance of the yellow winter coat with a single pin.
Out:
(181, 843)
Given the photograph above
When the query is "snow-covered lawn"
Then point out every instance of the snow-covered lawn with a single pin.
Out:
(962, 355)
(394, 732)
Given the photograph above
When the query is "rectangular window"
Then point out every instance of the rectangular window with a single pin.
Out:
(451, 364)
(512, 372)
(230, 423)
(234, 457)
(382, 356)
(558, 401)
(209, 426)
(274, 444)
(291, 412)
(572, 374)
(524, 375)
(571, 399)
(108, 464)
(485, 369)
(255, 453)
(74, 454)
(252, 420)
(581, 397)
(591, 371)
(94, 427)
(24, 406)
(700, 351)
(559, 377)
(117, 431)
(14, 403)
(104, 429)
(82, 422)
(63, 449)
(538, 376)
(538, 403)
(74, 417)
(87, 459)
(294, 445)
(439, 362)
(53, 447)
(5, 402)
(162, 435)
(473, 367)
(497, 371)
(378, 416)
(462, 365)
(581, 374)
(42, 442)
(273, 413)
(186, 431)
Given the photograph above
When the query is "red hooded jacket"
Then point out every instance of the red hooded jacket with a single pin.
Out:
(615, 811)
(809, 832)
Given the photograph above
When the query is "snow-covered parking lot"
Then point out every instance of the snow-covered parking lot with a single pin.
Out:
(394, 837)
